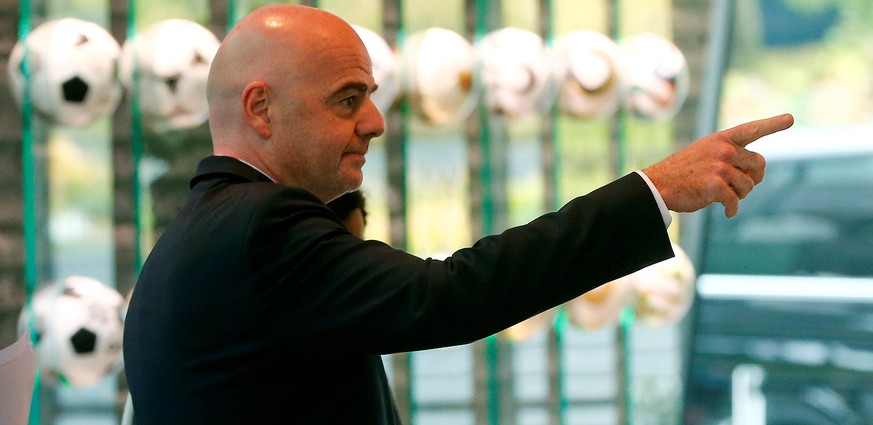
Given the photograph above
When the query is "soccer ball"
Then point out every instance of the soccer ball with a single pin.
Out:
(384, 68)
(437, 70)
(516, 72)
(659, 77)
(600, 306)
(71, 71)
(592, 70)
(664, 291)
(78, 327)
(170, 59)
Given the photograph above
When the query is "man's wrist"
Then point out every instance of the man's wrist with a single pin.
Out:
(665, 213)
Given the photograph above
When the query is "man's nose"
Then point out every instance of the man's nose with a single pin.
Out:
(371, 124)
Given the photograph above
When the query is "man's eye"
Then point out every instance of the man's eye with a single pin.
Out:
(349, 101)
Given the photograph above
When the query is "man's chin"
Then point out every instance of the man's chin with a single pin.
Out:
(353, 177)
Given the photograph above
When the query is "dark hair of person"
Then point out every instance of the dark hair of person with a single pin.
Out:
(345, 204)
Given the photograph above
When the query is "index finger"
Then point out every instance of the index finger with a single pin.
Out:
(744, 134)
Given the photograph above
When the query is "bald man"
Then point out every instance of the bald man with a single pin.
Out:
(257, 305)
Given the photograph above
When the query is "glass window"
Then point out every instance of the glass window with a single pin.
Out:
(808, 217)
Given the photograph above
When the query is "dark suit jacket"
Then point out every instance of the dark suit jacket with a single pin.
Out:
(257, 306)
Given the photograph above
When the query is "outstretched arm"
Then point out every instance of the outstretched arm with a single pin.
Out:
(715, 168)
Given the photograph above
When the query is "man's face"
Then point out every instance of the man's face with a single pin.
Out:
(326, 118)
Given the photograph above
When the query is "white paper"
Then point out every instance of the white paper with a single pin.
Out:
(17, 375)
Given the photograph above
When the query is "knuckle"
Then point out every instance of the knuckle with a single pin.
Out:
(727, 152)
(758, 177)
(762, 162)
(742, 191)
(716, 188)
(755, 127)
(722, 169)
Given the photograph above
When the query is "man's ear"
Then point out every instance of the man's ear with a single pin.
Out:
(256, 107)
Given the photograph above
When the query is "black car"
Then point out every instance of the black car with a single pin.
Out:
(781, 332)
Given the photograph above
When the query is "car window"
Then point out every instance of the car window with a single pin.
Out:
(811, 216)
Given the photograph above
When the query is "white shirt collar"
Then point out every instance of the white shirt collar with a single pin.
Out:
(258, 169)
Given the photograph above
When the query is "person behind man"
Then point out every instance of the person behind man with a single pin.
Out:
(257, 305)
(351, 208)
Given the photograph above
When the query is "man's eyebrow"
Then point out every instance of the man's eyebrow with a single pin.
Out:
(356, 87)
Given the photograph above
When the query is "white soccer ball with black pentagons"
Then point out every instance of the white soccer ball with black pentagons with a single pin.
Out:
(71, 66)
(659, 77)
(170, 61)
(592, 71)
(78, 329)
(516, 71)
(385, 69)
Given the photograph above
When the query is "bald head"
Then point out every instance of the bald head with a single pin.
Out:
(275, 44)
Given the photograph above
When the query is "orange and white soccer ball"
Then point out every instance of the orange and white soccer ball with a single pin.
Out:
(385, 68)
(592, 71)
(516, 71)
(659, 77)
(437, 70)
(601, 306)
(664, 291)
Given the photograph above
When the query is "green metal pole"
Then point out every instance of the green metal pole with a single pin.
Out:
(485, 170)
(486, 176)
(620, 116)
(550, 122)
(28, 161)
(28, 176)
(626, 323)
(563, 403)
(623, 345)
(136, 143)
(232, 10)
(396, 129)
(551, 201)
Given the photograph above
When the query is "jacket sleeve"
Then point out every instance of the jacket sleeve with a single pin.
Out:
(321, 288)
